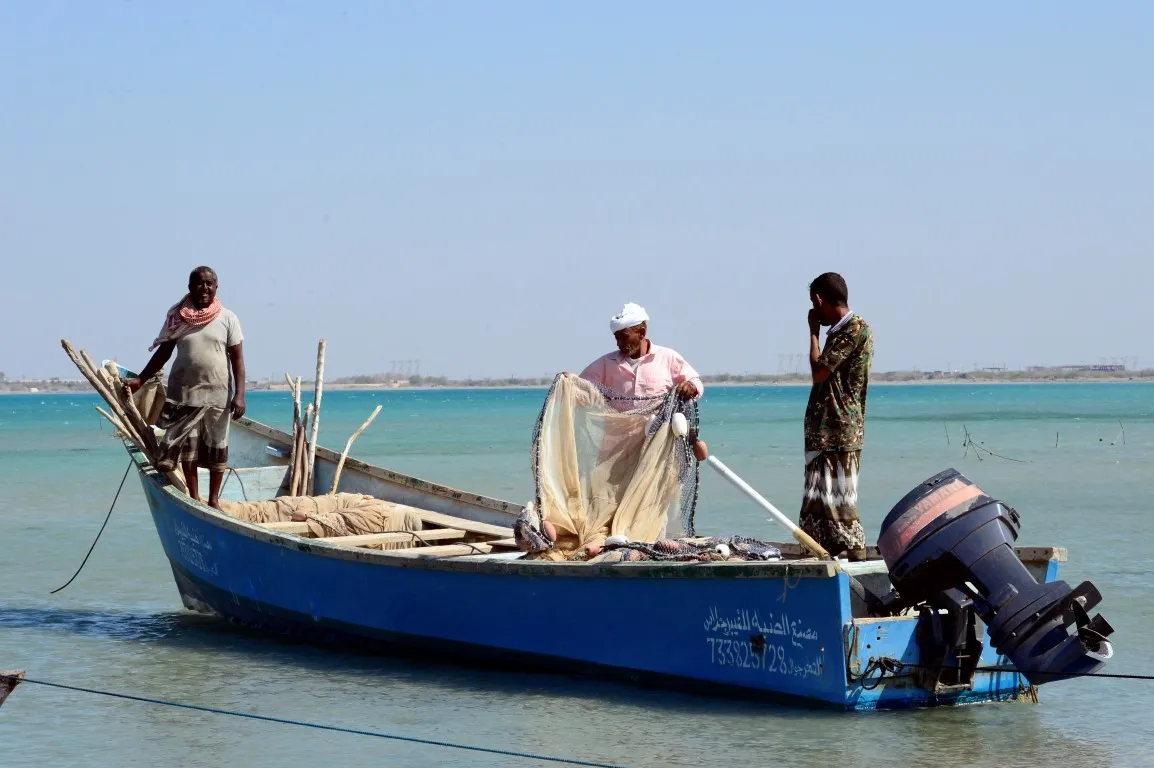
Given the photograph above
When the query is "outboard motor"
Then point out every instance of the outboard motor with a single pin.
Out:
(947, 534)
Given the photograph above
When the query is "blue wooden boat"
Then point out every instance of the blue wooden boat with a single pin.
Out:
(792, 629)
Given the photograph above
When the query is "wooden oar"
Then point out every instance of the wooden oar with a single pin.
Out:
(681, 429)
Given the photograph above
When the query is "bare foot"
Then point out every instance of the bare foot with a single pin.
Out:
(215, 504)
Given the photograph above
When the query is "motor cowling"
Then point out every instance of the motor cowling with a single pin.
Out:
(948, 534)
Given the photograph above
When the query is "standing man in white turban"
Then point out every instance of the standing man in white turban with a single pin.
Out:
(640, 368)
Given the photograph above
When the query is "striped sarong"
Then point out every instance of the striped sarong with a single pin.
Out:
(829, 505)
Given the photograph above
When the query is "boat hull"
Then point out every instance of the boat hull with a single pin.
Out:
(774, 630)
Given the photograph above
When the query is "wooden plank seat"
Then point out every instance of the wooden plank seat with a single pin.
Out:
(445, 527)
(454, 550)
(461, 524)
(395, 537)
(301, 529)
(429, 518)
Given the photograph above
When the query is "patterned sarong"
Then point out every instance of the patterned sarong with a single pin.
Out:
(829, 506)
(193, 435)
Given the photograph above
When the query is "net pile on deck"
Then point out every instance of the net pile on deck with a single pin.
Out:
(688, 550)
(339, 514)
(607, 465)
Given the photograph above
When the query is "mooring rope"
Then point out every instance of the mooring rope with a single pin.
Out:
(319, 726)
(102, 527)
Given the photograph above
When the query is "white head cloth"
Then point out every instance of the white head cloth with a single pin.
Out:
(629, 316)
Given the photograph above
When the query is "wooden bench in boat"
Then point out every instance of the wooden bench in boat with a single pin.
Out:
(446, 527)
(469, 526)
(394, 537)
(454, 550)
(432, 518)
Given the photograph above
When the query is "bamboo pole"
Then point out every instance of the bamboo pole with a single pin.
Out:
(318, 391)
(348, 445)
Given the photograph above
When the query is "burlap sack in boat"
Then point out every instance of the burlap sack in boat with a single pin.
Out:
(342, 514)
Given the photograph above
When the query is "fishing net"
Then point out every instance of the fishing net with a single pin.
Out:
(712, 549)
(606, 464)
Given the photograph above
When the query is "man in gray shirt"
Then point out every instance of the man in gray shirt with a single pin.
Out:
(207, 340)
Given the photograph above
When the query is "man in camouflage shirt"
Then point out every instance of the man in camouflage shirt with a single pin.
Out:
(835, 419)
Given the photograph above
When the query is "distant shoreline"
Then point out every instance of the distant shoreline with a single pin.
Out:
(459, 387)
(51, 387)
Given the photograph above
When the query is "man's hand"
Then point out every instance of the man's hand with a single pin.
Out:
(237, 406)
(814, 323)
(133, 385)
(687, 390)
(700, 450)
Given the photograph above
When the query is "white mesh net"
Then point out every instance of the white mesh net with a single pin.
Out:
(609, 465)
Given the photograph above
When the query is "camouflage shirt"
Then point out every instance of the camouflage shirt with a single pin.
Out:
(835, 416)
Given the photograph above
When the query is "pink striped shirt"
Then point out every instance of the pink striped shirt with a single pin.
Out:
(657, 372)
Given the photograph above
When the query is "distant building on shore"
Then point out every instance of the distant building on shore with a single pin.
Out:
(1100, 368)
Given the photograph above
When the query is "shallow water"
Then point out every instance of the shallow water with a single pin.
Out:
(119, 627)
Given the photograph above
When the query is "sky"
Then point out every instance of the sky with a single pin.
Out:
(481, 186)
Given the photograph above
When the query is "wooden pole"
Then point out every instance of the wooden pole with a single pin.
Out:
(145, 398)
(122, 422)
(123, 405)
(133, 412)
(318, 391)
(348, 445)
(173, 477)
(9, 679)
(98, 384)
(115, 422)
(801, 536)
(160, 395)
(301, 469)
(297, 403)
(295, 389)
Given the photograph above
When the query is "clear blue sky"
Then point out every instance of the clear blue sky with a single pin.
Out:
(481, 185)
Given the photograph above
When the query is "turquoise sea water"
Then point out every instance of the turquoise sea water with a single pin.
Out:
(120, 627)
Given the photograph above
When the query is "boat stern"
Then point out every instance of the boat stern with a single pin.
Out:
(929, 656)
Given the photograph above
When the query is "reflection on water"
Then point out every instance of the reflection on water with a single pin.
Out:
(203, 660)
(117, 627)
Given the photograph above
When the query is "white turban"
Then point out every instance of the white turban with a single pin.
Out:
(629, 316)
